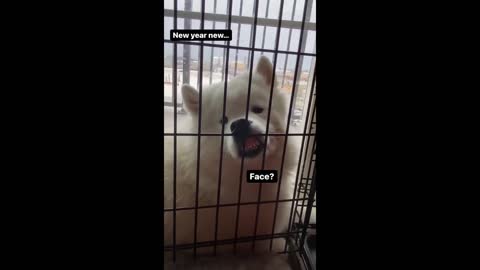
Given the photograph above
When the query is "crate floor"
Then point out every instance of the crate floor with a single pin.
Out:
(260, 262)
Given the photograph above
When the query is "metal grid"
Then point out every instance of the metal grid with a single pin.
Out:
(299, 225)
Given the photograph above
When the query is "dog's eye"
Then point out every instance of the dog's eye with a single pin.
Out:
(257, 109)
(224, 120)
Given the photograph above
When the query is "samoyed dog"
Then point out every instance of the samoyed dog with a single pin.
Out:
(220, 187)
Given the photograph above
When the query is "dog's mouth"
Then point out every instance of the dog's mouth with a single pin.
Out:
(251, 146)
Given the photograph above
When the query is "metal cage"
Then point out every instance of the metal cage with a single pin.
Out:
(290, 24)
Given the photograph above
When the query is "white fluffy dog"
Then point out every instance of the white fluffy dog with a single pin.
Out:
(241, 141)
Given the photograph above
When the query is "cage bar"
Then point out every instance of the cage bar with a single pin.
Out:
(231, 204)
(174, 87)
(212, 48)
(238, 38)
(239, 19)
(239, 47)
(299, 176)
(288, 43)
(200, 85)
(308, 212)
(302, 44)
(230, 241)
(229, 134)
(293, 95)
(300, 215)
(277, 42)
(223, 129)
(265, 28)
(309, 166)
(301, 150)
(246, 116)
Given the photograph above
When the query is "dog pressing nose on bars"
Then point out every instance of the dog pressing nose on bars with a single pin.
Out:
(218, 176)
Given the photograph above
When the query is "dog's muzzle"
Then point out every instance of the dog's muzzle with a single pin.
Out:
(249, 142)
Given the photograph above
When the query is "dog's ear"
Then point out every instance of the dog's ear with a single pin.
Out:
(190, 98)
(265, 69)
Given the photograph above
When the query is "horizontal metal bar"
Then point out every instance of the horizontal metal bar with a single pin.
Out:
(240, 19)
(231, 241)
(304, 205)
(219, 135)
(191, 43)
(278, 252)
(311, 225)
(170, 104)
(232, 204)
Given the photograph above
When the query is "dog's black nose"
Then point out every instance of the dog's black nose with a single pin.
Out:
(240, 126)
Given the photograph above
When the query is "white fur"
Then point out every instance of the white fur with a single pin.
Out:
(186, 162)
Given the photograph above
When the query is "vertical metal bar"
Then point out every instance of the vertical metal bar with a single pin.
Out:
(277, 42)
(298, 169)
(304, 185)
(265, 27)
(299, 159)
(309, 165)
(303, 45)
(300, 176)
(288, 43)
(272, 85)
(308, 178)
(238, 39)
(293, 90)
(174, 132)
(224, 75)
(223, 132)
(211, 51)
(308, 142)
(200, 80)
(226, 51)
(186, 48)
(247, 110)
(312, 64)
(252, 39)
(305, 224)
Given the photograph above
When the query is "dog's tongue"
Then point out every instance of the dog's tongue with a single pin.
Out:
(251, 142)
